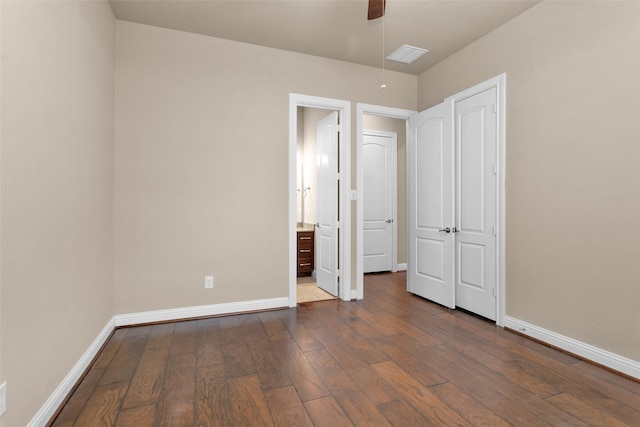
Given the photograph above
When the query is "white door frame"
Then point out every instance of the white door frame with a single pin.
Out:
(374, 110)
(499, 82)
(394, 191)
(344, 232)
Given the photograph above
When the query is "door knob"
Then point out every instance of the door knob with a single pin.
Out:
(389, 221)
(446, 230)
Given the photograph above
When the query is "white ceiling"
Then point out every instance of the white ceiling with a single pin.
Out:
(335, 29)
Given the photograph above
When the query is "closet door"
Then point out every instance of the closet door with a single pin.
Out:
(431, 195)
(476, 203)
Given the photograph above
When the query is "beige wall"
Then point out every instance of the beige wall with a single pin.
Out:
(57, 193)
(398, 126)
(201, 162)
(573, 104)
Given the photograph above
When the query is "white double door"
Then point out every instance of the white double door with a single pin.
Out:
(452, 204)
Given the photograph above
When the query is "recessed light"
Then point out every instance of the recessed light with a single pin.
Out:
(407, 54)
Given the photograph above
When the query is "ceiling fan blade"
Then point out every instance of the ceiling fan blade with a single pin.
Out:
(376, 9)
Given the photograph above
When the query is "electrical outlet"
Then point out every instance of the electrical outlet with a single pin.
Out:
(3, 397)
(208, 282)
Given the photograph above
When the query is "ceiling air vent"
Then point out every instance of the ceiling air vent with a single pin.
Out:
(407, 54)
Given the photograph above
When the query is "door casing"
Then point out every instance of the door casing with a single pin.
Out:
(344, 232)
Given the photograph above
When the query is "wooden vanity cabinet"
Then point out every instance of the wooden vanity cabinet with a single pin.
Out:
(305, 253)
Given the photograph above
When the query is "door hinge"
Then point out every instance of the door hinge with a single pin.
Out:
(495, 108)
(337, 224)
(338, 176)
(339, 128)
(494, 292)
(494, 230)
(495, 170)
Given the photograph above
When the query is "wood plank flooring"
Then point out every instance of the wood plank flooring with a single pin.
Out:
(392, 359)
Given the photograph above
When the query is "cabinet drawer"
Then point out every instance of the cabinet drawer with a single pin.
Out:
(305, 259)
(305, 237)
(305, 251)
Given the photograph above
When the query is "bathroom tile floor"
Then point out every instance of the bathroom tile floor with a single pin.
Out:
(308, 291)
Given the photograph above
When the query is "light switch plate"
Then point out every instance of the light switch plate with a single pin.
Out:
(3, 397)
(208, 282)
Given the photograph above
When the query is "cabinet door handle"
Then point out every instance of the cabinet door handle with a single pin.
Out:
(305, 264)
(305, 238)
(305, 250)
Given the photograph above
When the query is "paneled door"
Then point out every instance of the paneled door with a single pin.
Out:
(378, 195)
(453, 203)
(476, 205)
(326, 262)
(431, 248)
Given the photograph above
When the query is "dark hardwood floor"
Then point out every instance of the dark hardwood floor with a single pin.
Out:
(390, 359)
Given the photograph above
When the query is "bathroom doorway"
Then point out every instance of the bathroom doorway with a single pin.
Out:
(317, 148)
(321, 233)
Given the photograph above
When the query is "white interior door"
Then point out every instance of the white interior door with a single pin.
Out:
(378, 168)
(430, 192)
(326, 251)
(476, 165)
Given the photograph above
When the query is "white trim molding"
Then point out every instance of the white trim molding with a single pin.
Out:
(200, 311)
(587, 351)
(43, 416)
(401, 266)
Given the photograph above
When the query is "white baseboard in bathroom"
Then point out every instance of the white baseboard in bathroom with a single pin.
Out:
(587, 351)
(401, 267)
(200, 311)
(43, 416)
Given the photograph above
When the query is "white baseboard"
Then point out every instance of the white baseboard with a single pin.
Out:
(199, 311)
(401, 267)
(589, 352)
(354, 294)
(54, 401)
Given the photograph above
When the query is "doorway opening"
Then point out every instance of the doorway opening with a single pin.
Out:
(375, 119)
(319, 208)
(311, 131)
